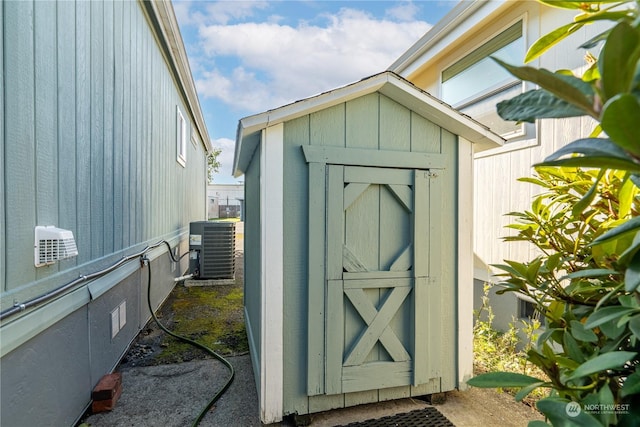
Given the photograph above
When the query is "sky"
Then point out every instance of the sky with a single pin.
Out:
(248, 57)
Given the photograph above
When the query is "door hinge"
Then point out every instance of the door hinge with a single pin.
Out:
(431, 174)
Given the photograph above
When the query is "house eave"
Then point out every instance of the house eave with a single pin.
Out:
(464, 15)
(163, 20)
(387, 83)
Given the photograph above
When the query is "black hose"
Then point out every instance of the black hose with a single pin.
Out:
(206, 349)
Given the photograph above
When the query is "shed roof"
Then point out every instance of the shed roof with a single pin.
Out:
(386, 83)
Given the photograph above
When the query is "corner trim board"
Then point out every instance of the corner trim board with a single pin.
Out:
(272, 271)
(465, 259)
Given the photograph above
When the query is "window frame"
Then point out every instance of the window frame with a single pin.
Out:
(181, 138)
(505, 32)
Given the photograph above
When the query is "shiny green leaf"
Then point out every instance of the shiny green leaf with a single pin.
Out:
(605, 397)
(606, 314)
(572, 349)
(618, 60)
(524, 391)
(626, 196)
(597, 152)
(581, 333)
(632, 225)
(571, 89)
(536, 104)
(634, 325)
(632, 274)
(614, 15)
(549, 40)
(575, 5)
(586, 200)
(626, 256)
(631, 385)
(556, 410)
(502, 379)
(592, 272)
(611, 360)
(620, 119)
(594, 41)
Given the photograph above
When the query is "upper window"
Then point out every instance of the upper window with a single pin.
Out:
(475, 83)
(181, 138)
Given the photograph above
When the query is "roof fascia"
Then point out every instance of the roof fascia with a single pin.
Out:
(464, 16)
(387, 83)
(251, 125)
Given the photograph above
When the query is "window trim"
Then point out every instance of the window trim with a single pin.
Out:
(507, 33)
(181, 138)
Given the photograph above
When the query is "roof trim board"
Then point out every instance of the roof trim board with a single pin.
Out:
(459, 20)
(389, 84)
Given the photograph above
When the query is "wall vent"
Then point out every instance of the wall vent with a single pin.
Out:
(53, 244)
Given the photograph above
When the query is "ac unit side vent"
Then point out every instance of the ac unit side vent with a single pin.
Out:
(216, 258)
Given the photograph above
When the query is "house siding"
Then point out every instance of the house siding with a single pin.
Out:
(89, 126)
(496, 189)
(373, 121)
(107, 172)
(33, 393)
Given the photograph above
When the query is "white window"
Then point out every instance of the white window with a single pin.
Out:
(181, 138)
(476, 83)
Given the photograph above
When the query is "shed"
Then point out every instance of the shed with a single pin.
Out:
(358, 246)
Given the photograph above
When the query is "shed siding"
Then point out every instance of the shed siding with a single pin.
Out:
(376, 122)
(90, 142)
(252, 260)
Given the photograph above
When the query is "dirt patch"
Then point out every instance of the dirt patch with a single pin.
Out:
(487, 407)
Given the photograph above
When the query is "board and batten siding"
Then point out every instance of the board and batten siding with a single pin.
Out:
(89, 120)
(89, 125)
(375, 122)
(252, 261)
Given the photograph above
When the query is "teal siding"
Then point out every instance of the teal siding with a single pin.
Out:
(252, 259)
(296, 216)
(374, 122)
(89, 144)
(3, 236)
(89, 124)
(19, 141)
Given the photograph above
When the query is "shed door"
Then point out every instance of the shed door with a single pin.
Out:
(377, 268)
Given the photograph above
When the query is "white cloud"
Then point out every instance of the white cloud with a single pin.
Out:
(406, 11)
(278, 63)
(221, 12)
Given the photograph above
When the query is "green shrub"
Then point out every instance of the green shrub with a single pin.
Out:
(494, 350)
(586, 227)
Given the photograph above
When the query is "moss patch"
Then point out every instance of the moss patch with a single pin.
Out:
(210, 315)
